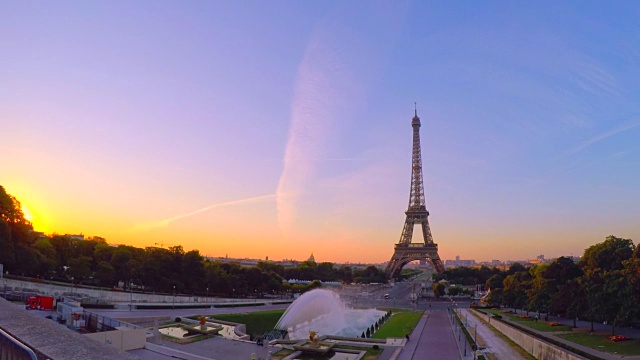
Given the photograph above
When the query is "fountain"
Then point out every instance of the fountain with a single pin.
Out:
(322, 311)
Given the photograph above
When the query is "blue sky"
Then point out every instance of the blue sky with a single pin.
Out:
(283, 128)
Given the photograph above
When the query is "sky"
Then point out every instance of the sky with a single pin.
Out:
(278, 129)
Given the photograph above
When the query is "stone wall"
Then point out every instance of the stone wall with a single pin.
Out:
(537, 348)
(107, 296)
(122, 339)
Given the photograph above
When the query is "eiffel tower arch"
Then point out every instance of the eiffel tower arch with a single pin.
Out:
(406, 251)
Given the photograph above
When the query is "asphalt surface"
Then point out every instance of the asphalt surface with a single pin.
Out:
(435, 340)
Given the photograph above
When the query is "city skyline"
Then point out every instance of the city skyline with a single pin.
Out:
(284, 129)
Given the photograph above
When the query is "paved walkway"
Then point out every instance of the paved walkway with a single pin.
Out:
(432, 338)
(494, 344)
(586, 326)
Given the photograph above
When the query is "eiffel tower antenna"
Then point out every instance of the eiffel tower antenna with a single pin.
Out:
(405, 251)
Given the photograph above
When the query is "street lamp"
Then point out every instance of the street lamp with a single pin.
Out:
(131, 295)
(465, 346)
(5, 289)
(207, 293)
(475, 340)
(174, 297)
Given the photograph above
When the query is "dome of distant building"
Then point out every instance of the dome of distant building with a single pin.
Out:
(311, 258)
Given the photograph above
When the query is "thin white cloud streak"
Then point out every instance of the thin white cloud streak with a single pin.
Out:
(337, 70)
(601, 137)
(317, 92)
(165, 222)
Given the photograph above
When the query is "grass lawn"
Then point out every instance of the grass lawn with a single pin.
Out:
(399, 325)
(600, 342)
(257, 322)
(530, 322)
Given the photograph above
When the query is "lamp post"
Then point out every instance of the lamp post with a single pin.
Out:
(207, 293)
(5, 289)
(475, 340)
(465, 346)
(131, 295)
(173, 306)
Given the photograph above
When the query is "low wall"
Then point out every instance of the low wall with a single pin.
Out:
(122, 339)
(537, 348)
(115, 296)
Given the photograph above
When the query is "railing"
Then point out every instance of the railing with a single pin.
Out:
(99, 323)
(12, 349)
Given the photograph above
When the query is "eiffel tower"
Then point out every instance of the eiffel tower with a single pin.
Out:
(405, 251)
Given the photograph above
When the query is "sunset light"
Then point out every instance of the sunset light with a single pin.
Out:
(27, 213)
(220, 136)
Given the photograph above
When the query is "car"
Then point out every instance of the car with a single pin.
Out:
(386, 296)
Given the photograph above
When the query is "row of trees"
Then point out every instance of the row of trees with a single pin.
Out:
(603, 286)
(93, 261)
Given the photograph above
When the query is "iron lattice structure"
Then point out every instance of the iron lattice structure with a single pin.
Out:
(405, 251)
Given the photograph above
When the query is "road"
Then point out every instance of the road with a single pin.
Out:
(495, 344)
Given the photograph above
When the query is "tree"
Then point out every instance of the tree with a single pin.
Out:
(515, 288)
(80, 268)
(516, 268)
(561, 272)
(47, 257)
(193, 271)
(607, 255)
(541, 290)
(495, 282)
(495, 297)
(454, 290)
(16, 236)
(105, 274)
(438, 289)
(609, 293)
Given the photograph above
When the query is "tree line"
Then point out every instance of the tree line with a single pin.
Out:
(603, 286)
(94, 262)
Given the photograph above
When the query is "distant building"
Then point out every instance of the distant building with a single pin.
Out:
(311, 258)
(459, 263)
(75, 237)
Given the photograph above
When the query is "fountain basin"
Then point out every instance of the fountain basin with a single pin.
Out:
(176, 332)
(309, 347)
(323, 312)
(209, 329)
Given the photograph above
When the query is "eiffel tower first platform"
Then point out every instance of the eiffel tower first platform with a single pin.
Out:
(406, 251)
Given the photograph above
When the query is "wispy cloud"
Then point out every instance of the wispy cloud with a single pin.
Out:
(165, 222)
(332, 81)
(600, 137)
(595, 79)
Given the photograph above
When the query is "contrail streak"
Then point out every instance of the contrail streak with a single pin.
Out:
(162, 223)
(601, 137)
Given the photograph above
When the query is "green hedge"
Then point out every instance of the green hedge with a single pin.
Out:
(237, 305)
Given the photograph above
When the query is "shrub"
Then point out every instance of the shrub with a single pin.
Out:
(178, 319)
(376, 347)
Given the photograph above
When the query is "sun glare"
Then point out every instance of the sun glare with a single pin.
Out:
(27, 213)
